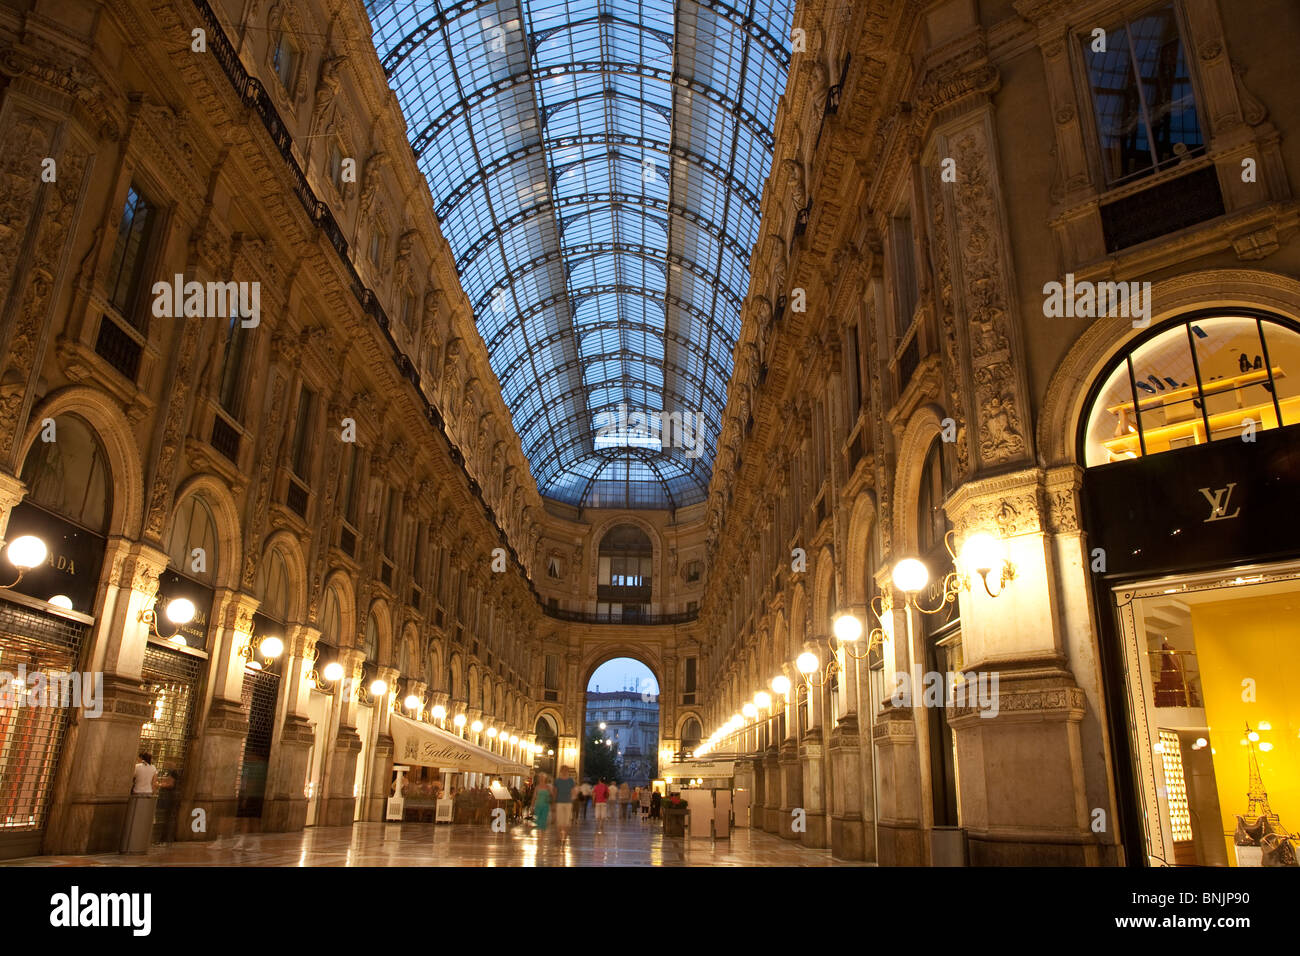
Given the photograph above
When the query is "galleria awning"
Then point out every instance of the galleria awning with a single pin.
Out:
(425, 745)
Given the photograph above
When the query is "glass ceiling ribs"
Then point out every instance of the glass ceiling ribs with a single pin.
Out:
(597, 168)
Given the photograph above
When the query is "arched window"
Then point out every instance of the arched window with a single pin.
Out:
(69, 475)
(625, 562)
(692, 733)
(372, 638)
(331, 618)
(1197, 380)
(931, 519)
(275, 586)
(193, 544)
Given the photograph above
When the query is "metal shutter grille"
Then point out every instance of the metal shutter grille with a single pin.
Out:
(171, 678)
(260, 693)
(31, 737)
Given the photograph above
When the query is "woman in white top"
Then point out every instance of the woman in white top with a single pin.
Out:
(146, 776)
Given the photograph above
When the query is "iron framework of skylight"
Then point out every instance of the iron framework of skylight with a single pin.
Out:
(597, 167)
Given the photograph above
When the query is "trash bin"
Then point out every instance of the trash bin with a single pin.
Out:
(139, 823)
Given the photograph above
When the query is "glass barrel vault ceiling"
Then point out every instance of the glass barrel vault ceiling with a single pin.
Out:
(597, 167)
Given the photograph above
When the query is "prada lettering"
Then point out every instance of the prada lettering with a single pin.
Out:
(1219, 502)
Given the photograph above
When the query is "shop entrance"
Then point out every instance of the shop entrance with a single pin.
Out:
(1215, 704)
(32, 731)
(259, 695)
(171, 678)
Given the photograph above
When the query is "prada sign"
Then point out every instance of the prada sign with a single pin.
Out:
(72, 567)
(1228, 502)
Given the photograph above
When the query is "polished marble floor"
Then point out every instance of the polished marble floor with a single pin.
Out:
(630, 843)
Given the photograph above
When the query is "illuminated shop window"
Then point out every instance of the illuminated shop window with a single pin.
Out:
(1217, 717)
(1197, 381)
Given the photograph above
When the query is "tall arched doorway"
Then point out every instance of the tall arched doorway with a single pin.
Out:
(549, 740)
(621, 727)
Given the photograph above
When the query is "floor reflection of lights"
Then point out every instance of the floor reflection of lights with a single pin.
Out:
(621, 843)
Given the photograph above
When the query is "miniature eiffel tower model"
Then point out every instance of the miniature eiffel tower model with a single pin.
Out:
(1257, 796)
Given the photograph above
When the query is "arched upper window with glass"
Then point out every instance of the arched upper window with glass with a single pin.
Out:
(275, 586)
(69, 475)
(936, 481)
(625, 568)
(372, 639)
(193, 544)
(331, 618)
(1207, 378)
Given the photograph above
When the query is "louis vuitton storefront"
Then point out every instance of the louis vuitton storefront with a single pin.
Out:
(1192, 443)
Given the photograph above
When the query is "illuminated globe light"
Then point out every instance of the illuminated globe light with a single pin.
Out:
(1266, 747)
(63, 601)
(492, 732)
(981, 553)
(514, 740)
(910, 575)
(439, 712)
(378, 688)
(1201, 742)
(26, 551)
(272, 647)
(459, 720)
(750, 711)
(179, 640)
(1265, 725)
(763, 700)
(477, 726)
(333, 671)
(412, 702)
(180, 611)
(781, 685)
(737, 721)
(1252, 736)
(807, 662)
(847, 627)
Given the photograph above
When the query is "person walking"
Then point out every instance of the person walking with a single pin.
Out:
(542, 802)
(656, 799)
(624, 798)
(645, 804)
(600, 796)
(584, 796)
(566, 789)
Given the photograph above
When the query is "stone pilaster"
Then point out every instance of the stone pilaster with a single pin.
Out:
(848, 828)
(791, 788)
(94, 779)
(1024, 699)
(285, 806)
(902, 839)
(338, 801)
(380, 771)
(211, 780)
(772, 790)
(211, 783)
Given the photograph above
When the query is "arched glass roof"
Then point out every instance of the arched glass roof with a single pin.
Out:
(597, 167)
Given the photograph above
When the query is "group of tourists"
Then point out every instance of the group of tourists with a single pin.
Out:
(568, 799)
